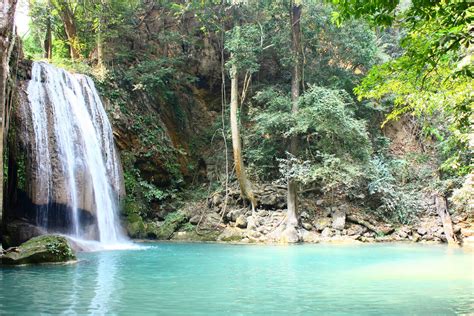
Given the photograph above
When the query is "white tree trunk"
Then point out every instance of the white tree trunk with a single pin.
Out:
(245, 186)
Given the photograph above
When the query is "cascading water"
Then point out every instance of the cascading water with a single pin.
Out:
(74, 158)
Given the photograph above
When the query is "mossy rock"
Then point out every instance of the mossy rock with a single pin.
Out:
(41, 249)
(231, 234)
(205, 235)
(136, 229)
(172, 222)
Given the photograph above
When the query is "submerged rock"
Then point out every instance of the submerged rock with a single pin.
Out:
(41, 249)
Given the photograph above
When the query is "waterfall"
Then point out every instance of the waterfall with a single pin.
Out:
(74, 160)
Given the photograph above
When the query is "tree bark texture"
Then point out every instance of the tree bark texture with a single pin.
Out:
(295, 15)
(245, 185)
(7, 15)
(48, 41)
(67, 17)
(442, 209)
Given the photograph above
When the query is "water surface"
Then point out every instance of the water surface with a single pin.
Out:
(217, 279)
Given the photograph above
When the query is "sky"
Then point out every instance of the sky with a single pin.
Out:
(22, 20)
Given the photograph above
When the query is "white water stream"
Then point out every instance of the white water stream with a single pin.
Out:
(74, 152)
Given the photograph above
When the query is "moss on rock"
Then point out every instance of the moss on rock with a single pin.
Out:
(41, 249)
(171, 224)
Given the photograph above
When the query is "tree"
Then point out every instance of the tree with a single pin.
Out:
(432, 79)
(336, 147)
(243, 56)
(292, 200)
(66, 10)
(7, 41)
(48, 40)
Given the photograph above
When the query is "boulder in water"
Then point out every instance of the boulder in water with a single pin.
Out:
(41, 249)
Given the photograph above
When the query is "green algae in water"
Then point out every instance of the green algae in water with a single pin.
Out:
(218, 279)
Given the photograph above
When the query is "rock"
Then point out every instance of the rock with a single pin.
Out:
(319, 202)
(231, 234)
(234, 214)
(254, 234)
(415, 237)
(166, 229)
(402, 234)
(251, 224)
(321, 223)
(326, 232)
(468, 242)
(355, 237)
(304, 215)
(369, 234)
(241, 221)
(290, 235)
(195, 219)
(422, 231)
(307, 226)
(268, 200)
(41, 249)
(355, 229)
(457, 229)
(427, 237)
(439, 233)
(309, 236)
(458, 218)
(467, 232)
(338, 219)
(383, 238)
(18, 232)
(213, 218)
(216, 199)
(366, 239)
(326, 212)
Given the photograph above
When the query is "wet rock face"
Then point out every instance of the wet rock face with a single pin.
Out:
(65, 173)
(42, 249)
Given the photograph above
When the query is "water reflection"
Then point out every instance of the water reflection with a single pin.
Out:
(105, 285)
(74, 293)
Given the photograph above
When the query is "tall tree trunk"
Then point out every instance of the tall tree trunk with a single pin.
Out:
(100, 49)
(245, 186)
(295, 15)
(69, 22)
(7, 36)
(48, 40)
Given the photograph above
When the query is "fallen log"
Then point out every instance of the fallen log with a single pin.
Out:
(379, 230)
(442, 210)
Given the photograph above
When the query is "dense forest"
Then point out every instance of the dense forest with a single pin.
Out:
(276, 120)
(240, 157)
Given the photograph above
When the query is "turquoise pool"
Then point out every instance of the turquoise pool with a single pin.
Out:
(218, 279)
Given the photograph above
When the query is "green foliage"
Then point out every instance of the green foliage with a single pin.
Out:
(60, 248)
(336, 144)
(243, 42)
(432, 79)
(188, 227)
(341, 55)
(158, 76)
(392, 200)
